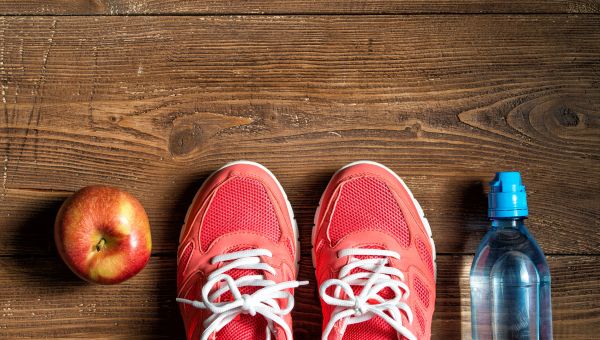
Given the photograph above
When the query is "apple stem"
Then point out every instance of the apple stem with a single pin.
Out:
(100, 244)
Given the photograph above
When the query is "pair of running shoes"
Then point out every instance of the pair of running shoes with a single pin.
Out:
(373, 255)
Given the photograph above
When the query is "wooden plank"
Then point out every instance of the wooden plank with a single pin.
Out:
(41, 299)
(119, 7)
(154, 104)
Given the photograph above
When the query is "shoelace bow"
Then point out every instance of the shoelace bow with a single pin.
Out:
(375, 277)
(263, 301)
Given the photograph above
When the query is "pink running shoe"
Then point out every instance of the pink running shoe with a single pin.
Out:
(238, 257)
(374, 257)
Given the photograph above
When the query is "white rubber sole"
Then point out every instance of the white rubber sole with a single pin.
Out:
(415, 202)
(287, 203)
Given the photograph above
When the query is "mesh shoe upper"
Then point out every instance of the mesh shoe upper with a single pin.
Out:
(239, 207)
(367, 206)
(366, 203)
(241, 203)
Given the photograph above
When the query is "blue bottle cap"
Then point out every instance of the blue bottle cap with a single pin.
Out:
(507, 196)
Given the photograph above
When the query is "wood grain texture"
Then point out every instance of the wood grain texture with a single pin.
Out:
(139, 7)
(41, 298)
(154, 104)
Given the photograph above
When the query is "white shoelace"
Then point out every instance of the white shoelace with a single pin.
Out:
(377, 276)
(263, 301)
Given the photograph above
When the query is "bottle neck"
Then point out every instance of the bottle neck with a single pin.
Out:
(508, 223)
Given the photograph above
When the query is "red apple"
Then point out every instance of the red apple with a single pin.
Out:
(103, 234)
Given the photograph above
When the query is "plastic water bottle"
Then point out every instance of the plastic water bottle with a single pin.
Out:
(510, 279)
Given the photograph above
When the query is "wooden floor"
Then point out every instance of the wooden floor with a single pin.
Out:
(152, 96)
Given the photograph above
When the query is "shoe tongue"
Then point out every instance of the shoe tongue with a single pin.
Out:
(244, 326)
(375, 328)
(385, 293)
(236, 274)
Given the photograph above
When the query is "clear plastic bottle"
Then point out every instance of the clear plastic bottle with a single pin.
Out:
(510, 279)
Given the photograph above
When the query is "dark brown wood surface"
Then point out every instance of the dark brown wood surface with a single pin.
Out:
(153, 104)
(44, 299)
(151, 7)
